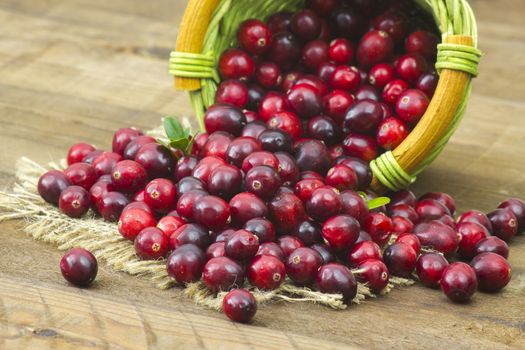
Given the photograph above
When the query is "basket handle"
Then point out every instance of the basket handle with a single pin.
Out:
(432, 127)
(190, 39)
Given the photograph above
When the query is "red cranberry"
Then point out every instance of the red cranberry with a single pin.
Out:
(394, 23)
(79, 267)
(405, 197)
(360, 167)
(341, 51)
(430, 209)
(271, 103)
(260, 158)
(240, 148)
(423, 43)
(304, 100)
(324, 7)
(363, 251)
(279, 21)
(285, 50)
(381, 74)
(215, 250)
(186, 264)
(139, 205)
(361, 146)
(324, 203)
(402, 225)
(262, 181)
(504, 223)
(74, 201)
(400, 258)
(289, 244)
(254, 36)
(235, 64)
(111, 205)
(231, 92)
(345, 78)
(225, 181)
(253, 129)
(211, 212)
(266, 272)
(81, 174)
(132, 221)
(151, 244)
(374, 273)
(275, 140)
(493, 244)
(325, 71)
(410, 67)
(336, 278)
(341, 232)
(492, 271)
(308, 232)
(323, 128)
(241, 245)
(51, 184)
(391, 132)
(314, 53)
(342, 178)
(170, 224)
(309, 174)
(438, 236)
(393, 90)
(306, 25)
(363, 116)
(325, 251)
(132, 148)
(302, 265)
(91, 156)
(354, 205)
(442, 198)
(189, 183)
(411, 240)
(287, 211)
(347, 22)
(224, 234)
(337, 103)
(245, 206)
(202, 171)
(273, 249)
(239, 305)
(430, 267)
(459, 282)
(477, 217)
(123, 137)
(404, 211)
(304, 188)
(375, 46)
(224, 117)
(411, 105)
(427, 83)
(312, 155)
(517, 206)
(105, 162)
(470, 234)
(268, 75)
(78, 151)
(379, 226)
(222, 274)
(128, 176)
(288, 122)
(184, 167)
(262, 228)
(156, 159)
(190, 234)
(199, 142)
(161, 195)
(288, 169)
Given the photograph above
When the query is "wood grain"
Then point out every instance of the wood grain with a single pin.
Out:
(79, 69)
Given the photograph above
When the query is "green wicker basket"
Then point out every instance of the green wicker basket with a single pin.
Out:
(209, 27)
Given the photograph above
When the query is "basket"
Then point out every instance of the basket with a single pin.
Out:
(209, 27)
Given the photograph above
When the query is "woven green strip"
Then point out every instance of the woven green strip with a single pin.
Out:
(389, 172)
(458, 57)
(193, 65)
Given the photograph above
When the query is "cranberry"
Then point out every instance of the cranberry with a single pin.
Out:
(240, 148)
(354, 205)
(288, 169)
(394, 23)
(442, 198)
(309, 174)
(123, 137)
(287, 211)
(255, 96)
(405, 197)
(361, 146)
(430, 209)
(51, 184)
(91, 156)
(379, 226)
(222, 274)
(402, 225)
(517, 206)
(438, 236)
(459, 282)
(275, 140)
(268, 75)
(239, 305)
(262, 181)
(156, 159)
(411, 105)
(410, 67)
(306, 25)
(78, 151)
(400, 258)
(225, 117)
(111, 205)
(341, 51)
(225, 181)
(427, 83)
(139, 205)
(151, 244)
(271, 103)
(262, 228)
(254, 36)
(493, 244)
(342, 178)
(105, 162)
(161, 195)
(504, 223)
(266, 272)
(336, 278)
(470, 235)
(411, 240)
(374, 273)
(79, 267)
(312, 155)
(304, 100)
(223, 235)
(74, 201)
(190, 234)
(253, 129)
(279, 21)
(288, 122)
(381, 74)
(347, 22)
(231, 92)
(199, 142)
(341, 232)
(308, 232)
(273, 249)
(363, 251)
(476, 217)
(201, 172)
(391, 132)
(404, 211)
(324, 203)
(184, 167)
(324, 7)
(492, 271)
(170, 224)
(325, 71)
(260, 158)
(325, 251)
(368, 92)
(393, 90)
(81, 174)
(375, 47)
(304, 188)
(186, 264)
(128, 176)
(360, 167)
(314, 53)
(235, 64)
(285, 50)
(345, 78)
(215, 250)
(132, 221)
(423, 43)
(245, 206)
(337, 103)
(430, 267)
(211, 212)
(363, 116)
(132, 148)
(302, 265)
(324, 129)
(289, 244)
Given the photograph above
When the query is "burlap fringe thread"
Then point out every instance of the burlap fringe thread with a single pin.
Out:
(46, 223)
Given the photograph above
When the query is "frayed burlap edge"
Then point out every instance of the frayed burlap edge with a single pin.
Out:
(46, 223)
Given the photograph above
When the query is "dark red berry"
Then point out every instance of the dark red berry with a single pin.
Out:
(289, 244)
(268, 75)
(287, 122)
(222, 274)
(184, 167)
(274, 140)
(91, 156)
(132, 148)
(312, 155)
(74, 201)
(134, 220)
(360, 146)
(363, 251)
(324, 203)
(122, 138)
(430, 209)
(302, 265)
(151, 244)
(245, 206)
(161, 195)
(337, 103)
(375, 47)
(411, 105)
(493, 244)
(374, 273)
(348, 23)
(287, 211)
(411, 240)
(354, 205)
(305, 24)
(427, 83)
(225, 181)
(79, 267)
(410, 67)
(215, 250)
(262, 181)
(341, 232)
(470, 234)
(105, 162)
(423, 43)
(304, 100)
(517, 206)
(504, 223)
(393, 90)
(51, 184)
(345, 78)
(128, 176)
(381, 74)
(236, 64)
(391, 132)
(156, 159)
(239, 305)
(405, 197)
(367, 92)
(459, 282)
(224, 117)
(271, 103)
(186, 264)
(285, 50)
(379, 226)
(266, 272)
(81, 174)
(342, 178)
(430, 267)
(438, 236)
(190, 234)
(211, 212)
(337, 279)
(78, 151)
(360, 167)
(170, 224)
(288, 169)
(231, 92)
(262, 228)
(201, 172)
(400, 258)
(111, 205)
(260, 158)
(314, 53)
(241, 245)
(492, 271)
(273, 249)
(253, 129)
(254, 36)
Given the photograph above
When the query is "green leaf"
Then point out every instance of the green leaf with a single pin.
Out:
(377, 202)
(181, 144)
(174, 129)
(189, 147)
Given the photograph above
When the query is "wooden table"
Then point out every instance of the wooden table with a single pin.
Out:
(79, 69)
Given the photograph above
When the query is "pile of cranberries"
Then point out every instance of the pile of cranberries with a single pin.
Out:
(271, 189)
